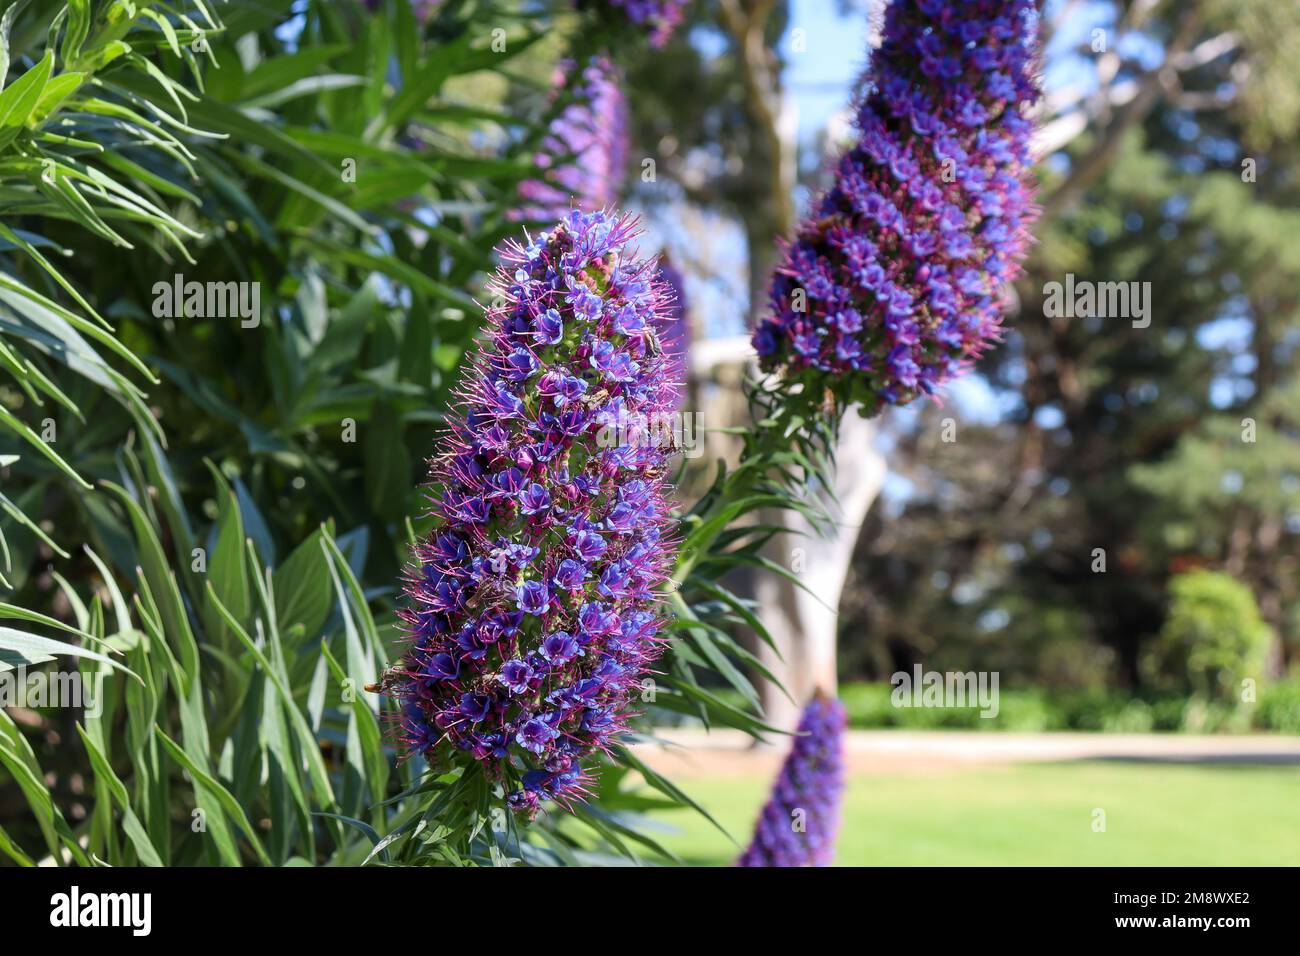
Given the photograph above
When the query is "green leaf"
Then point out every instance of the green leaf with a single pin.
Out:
(364, 734)
(388, 475)
(6, 24)
(162, 583)
(33, 439)
(280, 71)
(16, 756)
(21, 649)
(75, 33)
(229, 805)
(56, 91)
(131, 825)
(11, 849)
(665, 786)
(19, 100)
(306, 739)
(227, 570)
(302, 587)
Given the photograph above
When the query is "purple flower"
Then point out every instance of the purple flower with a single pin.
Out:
(536, 735)
(660, 17)
(928, 216)
(584, 154)
(515, 675)
(534, 499)
(571, 575)
(560, 648)
(533, 597)
(797, 826)
(512, 664)
(474, 706)
(548, 327)
(520, 365)
(442, 667)
(588, 545)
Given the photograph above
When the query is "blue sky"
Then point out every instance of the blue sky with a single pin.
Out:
(820, 79)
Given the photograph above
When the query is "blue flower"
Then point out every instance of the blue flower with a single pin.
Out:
(571, 574)
(536, 735)
(588, 545)
(534, 499)
(560, 647)
(533, 597)
(475, 706)
(549, 327)
(516, 675)
(442, 667)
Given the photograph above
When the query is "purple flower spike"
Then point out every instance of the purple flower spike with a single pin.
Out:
(798, 825)
(534, 611)
(660, 17)
(893, 285)
(584, 155)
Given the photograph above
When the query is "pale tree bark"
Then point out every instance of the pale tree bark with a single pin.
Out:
(804, 621)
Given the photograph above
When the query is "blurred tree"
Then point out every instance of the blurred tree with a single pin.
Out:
(1212, 641)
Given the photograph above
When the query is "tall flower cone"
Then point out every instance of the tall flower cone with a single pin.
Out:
(533, 610)
(799, 822)
(893, 285)
(584, 155)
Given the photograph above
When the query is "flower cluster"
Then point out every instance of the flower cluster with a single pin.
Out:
(533, 611)
(661, 17)
(797, 826)
(584, 154)
(675, 332)
(893, 285)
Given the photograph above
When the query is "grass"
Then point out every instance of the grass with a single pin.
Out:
(1032, 814)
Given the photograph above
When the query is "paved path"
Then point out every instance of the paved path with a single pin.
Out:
(689, 752)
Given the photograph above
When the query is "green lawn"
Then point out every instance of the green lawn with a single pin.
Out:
(1032, 814)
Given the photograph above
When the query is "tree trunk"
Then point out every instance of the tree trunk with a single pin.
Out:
(804, 625)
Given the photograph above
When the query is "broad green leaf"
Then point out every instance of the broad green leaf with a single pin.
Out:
(388, 477)
(227, 570)
(19, 100)
(6, 25)
(306, 739)
(21, 649)
(56, 91)
(302, 587)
